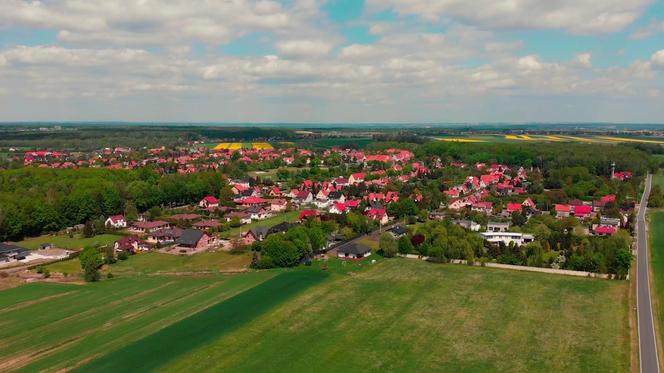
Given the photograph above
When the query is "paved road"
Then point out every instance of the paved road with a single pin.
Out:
(648, 359)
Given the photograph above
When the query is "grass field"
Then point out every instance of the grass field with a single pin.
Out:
(327, 143)
(289, 216)
(656, 231)
(52, 326)
(154, 262)
(65, 242)
(500, 138)
(395, 315)
(658, 179)
(413, 316)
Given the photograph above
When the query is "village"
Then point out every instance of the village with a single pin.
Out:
(389, 190)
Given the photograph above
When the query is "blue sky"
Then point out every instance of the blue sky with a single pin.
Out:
(333, 60)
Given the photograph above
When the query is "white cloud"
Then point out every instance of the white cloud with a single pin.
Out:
(577, 16)
(304, 48)
(658, 58)
(140, 22)
(529, 63)
(584, 59)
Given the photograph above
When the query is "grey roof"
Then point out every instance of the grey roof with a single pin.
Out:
(7, 247)
(190, 237)
(9, 250)
(281, 227)
(260, 232)
(354, 248)
(398, 230)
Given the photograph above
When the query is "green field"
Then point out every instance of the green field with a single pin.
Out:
(327, 143)
(52, 326)
(512, 138)
(65, 242)
(155, 262)
(395, 315)
(658, 179)
(656, 230)
(290, 216)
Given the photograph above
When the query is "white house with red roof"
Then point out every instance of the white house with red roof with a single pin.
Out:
(278, 205)
(338, 208)
(208, 202)
(378, 214)
(116, 221)
(357, 178)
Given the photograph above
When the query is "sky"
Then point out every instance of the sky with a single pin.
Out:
(411, 61)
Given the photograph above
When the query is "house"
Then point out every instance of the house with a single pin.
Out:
(165, 235)
(338, 208)
(251, 201)
(149, 226)
(116, 221)
(275, 192)
(378, 214)
(457, 204)
(303, 197)
(468, 224)
(242, 216)
(206, 224)
(193, 239)
(10, 253)
(278, 205)
(604, 230)
(398, 231)
(357, 178)
(563, 211)
(614, 222)
(130, 244)
(513, 207)
(258, 213)
(255, 234)
(208, 202)
(306, 214)
(336, 196)
(353, 251)
(352, 204)
(583, 211)
(484, 207)
(528, 203)
(508, 238)
(494, 226)
(282, 227)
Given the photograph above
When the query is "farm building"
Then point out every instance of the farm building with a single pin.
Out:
(10, 253)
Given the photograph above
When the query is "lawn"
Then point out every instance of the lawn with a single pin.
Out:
(53, 326)
(658, 179)
(290, 216)
(203, 262)
(65, 242)
(394, 315)
(154, 263)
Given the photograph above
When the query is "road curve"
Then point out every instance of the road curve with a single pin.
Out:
(648, 359)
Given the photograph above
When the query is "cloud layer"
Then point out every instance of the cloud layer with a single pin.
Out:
(149, 59)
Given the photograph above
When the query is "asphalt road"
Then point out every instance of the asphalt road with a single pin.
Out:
(648, 359)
